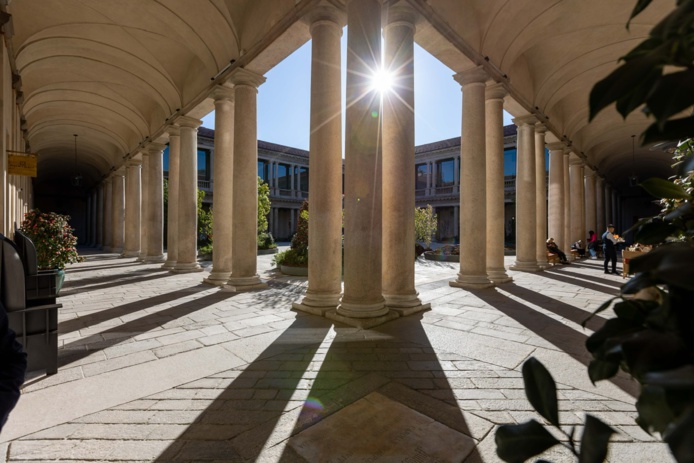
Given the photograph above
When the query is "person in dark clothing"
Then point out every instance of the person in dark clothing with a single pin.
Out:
(609, 248)
(554, 249)
(13, 365)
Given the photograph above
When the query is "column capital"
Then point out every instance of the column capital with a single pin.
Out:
(133, 162)
(400, 15)
(556, 146)
(529, 119)
(574, 159)
(588, 172)
(188, 122)
(221, 92)
(540, 128)
(173, 130)
(495, 91)
(120, 172)
(155, 148)
(241, 76)
(326, 15)
(476, 75)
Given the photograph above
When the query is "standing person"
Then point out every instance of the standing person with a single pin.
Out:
(593, 244)
(609, 247)
(12, 368)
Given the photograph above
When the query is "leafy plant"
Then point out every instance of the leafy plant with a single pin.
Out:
(53, 237)
(425, 224)
(641, 79)
(300, 238)
(290, 257)
(265, 239)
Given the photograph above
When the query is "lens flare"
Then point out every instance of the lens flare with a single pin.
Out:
(382, 81)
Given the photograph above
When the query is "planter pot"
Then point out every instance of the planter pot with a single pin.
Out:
(429, 255)
(294, 271)
(264, 252)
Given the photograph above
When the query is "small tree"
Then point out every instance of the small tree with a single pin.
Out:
(425, 224)
(265, 239)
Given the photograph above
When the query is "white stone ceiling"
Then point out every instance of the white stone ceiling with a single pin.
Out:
(115, 71)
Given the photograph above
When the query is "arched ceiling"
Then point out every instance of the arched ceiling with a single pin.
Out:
(114, 72)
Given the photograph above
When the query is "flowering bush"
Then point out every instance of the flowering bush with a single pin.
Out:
(53, 238)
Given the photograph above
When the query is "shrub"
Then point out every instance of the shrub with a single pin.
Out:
(290, 257)
(53, 237)
(425, 224)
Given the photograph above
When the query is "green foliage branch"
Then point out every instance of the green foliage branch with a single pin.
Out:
(425, 224)
(53, 237)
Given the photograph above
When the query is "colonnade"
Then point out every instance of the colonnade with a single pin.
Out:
(379, 195)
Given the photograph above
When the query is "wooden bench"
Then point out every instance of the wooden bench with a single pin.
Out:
(574, 254)
(552, 258)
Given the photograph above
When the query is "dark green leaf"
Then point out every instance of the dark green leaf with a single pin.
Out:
(596, 436)
(638, 94)
(621, 83)
(518, 442)
(600, 369)
(640, 6)
(651, 350)
(674, 129)
(681, 439)
(655, 232)
(637, 283)
(613, 328)
(654, 412)
(605, 305)
(631, 310)
(679, 378)
(541, 390)
(661, 188)
(672, 94)
(681, 210)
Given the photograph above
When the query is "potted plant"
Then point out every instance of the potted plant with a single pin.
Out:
(54, 241)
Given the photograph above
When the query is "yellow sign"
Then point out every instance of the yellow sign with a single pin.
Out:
(21, 164)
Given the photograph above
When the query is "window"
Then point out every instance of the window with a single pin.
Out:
(264, 170)
(283, 176)
(420, 174)
(165, 162)
(445, 173)
(510, 162)
(203, 164)
(303, 178)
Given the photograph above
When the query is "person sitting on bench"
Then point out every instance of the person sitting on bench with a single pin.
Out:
(554, 249)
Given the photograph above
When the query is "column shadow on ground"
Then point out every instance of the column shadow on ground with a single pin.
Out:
(86, 346)
(554, 331)
(580, 281)
(72, 270)
(86, 285)
(307, 374)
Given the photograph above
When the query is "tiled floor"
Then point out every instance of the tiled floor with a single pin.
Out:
(160, 367)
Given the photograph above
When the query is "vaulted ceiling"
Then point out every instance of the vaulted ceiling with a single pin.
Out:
(115, 72)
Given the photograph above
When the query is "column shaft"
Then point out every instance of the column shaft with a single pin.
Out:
(591, 202)
(186, 260)
(325, 166)
(494, 127)
(565, 244)
(556, 194)
(118, 211)
(100, 216)
(540, 197)
(244, 231)
(132, 208)
(608, 208)
(172, 199)
(144, 228)
(155, 204)
(362, 297)
(223, 194)
(600, 205)
(526, 207)
(577, 199)
(108, 214)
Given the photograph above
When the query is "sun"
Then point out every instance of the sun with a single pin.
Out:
(382, 81)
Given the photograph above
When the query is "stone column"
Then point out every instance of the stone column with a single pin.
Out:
(362, 303)
(100, 216)
(577, 199)
(108, 214)
(88, 221)
(608, 207)
(155, 204)
(144, 230)
(244, 247)
(591, 203)
(325, 165)
(473, 187)
(95, 205)
(540, 197)
(132, 208)
(223, 192)
(556, 194)
(187, 259)
(526, 206)
(565, 244)
(494, 127)
(398, 165)
(172, 204)
(600, 205)
(118, 210)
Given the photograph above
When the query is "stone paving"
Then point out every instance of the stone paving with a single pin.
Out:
(160, 367)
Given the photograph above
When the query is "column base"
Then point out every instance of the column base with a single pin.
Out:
(217, 278)
(317, 303)
(406, 304)
(363, 323)
(543, 265)
(107, 249)
(471, 282)
(169, 265)
(359, 310)
(187, 267)
(530, 266)
(155, 259)
(498, 276)
(243, 284)
(130, 254)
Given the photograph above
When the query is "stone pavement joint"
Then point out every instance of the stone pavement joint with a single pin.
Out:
(159, 367)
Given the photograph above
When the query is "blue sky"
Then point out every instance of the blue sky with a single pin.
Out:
(284, 100)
